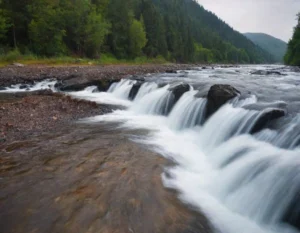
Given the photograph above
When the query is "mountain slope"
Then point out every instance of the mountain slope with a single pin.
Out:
(177, 30)
(212, 33)
(274, 46)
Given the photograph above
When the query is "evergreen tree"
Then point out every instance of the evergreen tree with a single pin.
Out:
(292, 56)
(3, 23)
(121, 18)
(138, 38)
(96, 30)
(46, 31)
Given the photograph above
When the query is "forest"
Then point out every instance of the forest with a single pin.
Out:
(174, 30)
(292, 56)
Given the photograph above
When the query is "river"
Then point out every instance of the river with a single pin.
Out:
(243, 181)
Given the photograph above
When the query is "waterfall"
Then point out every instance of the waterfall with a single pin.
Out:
(242, 182)
(288, 136)
(146, 88)
(224, 124)
(157, 102)
(188, 112)
(253, 177)
(122, 88)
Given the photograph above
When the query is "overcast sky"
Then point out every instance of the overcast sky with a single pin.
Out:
(274, 17)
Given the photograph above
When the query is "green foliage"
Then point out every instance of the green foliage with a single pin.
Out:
(96, 31)
(121, 18)
(11, 56)
(292, 56)
(138, 30)
(46, 31)
(137, 36)
(3, 24)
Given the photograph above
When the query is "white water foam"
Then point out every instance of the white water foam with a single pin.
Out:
(121, 89)
(146, 88)
(239, 182)
(43, 85)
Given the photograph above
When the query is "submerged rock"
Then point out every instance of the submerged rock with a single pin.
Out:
(266, 117)
(218, 95)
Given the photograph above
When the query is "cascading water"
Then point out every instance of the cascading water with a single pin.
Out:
(122, 88)
(146, 88)
(157, 102)
(288, 138)
(222, 169)
(188, 112)
(43, 85)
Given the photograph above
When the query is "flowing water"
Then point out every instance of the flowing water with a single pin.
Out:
(243, 181)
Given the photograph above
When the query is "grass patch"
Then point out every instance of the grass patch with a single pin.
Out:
(15, 56)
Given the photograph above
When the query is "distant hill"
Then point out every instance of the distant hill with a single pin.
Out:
(274, 46)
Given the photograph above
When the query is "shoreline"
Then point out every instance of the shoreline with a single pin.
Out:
(11, 75)
(31, 113)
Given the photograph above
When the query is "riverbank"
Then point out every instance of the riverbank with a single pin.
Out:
(14, 74)
(33, 113)
(26, 115)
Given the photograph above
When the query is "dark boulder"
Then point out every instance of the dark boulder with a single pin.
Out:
(2, 88)
(171, 71)
(78, 84)
(266, 72)
(218, 95)
(266, 117)
(24, 86)
(134, 90)
(179, 90)
(137, 78)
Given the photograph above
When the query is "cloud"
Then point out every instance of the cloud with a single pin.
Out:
(274, 17)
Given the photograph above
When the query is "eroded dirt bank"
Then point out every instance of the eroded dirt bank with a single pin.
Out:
(88, 178)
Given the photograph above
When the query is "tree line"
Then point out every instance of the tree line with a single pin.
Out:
(292, 56)
(177, 30)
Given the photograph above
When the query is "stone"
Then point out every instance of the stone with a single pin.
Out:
(179, 90)
(171, 71)
(266, 117)
(78, 84)
(218, 95)
(18, 64)
(266, 72)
